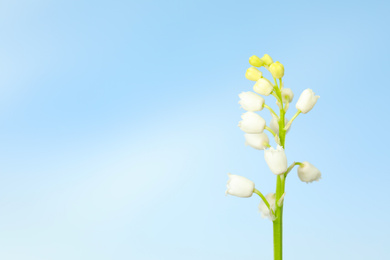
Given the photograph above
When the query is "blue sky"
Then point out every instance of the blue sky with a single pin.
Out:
(119, 126)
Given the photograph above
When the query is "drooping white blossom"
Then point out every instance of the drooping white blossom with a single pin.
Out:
(251, 101)
(263, 86)
(276, 159)
(307, 172)
(239, 186)
(252, 123)
(265, 212)
(287, 95)
(257, 141)
(306, 101)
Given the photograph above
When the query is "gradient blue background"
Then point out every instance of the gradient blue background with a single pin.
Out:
(119, 125)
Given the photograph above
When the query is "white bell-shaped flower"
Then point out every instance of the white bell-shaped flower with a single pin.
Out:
(274, 124)
(239, 186)
(252, 123)
(287, 95)
(276, 159)
(257, 141)
(251, 101)
(263, 86)
(265, 212)
(307, 172)
(306, 101)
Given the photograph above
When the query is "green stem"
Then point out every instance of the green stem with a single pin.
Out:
(278, 234)
(291, 167)
(276, 96)
(292, 119)
(270, 130)
(286, 106)
(280, 183)
(262, 197)
(271, 110)
(276, 82)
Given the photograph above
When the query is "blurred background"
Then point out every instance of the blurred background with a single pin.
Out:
(119, 126)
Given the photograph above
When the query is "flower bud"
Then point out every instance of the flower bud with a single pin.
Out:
(274, 124)
(287, 95)
(306, 101)
(276, 159)
(251, 101)
(256, 61)
(308, 173)
(263, 86)
(252, 123)
(277, 70)
(239, 186)
(267, 59)
(253, 74)
(265, 212)
(257, 141)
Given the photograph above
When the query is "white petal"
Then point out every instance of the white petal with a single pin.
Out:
(276, 159)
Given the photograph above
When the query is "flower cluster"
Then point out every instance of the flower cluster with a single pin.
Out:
(254, 126)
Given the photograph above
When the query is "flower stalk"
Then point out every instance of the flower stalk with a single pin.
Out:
(280, 185)
(262, 197)
(291, 120)
(271, 110)
(270, 130)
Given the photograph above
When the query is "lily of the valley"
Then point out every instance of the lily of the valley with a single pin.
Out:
(263, 86)
(251, 101)
(257, 141)
(252, 123)
(276, 159)
(306, 101)
(307, 172)
(265, 212)
(239, 186)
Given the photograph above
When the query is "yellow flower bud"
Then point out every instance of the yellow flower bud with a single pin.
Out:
(253, 74)
(256, 61)
(267, 59)
(277, 70)
(263, 86)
